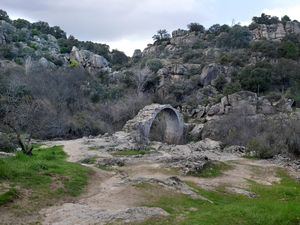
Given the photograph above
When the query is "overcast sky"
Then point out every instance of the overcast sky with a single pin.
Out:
(129, 24)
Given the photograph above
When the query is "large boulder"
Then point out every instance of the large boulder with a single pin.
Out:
(92, 62)
(241, 102)
(210, 73)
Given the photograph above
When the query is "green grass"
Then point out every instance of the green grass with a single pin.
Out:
(212, 169)
(8, 196)
(46, 175)
(130, 152)
(278, 204)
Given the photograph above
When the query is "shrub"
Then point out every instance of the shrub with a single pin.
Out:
(118, 58)
(285, 19)
(268, 48)
(215, 29)
(220, 82)
(265, 19)
(196, 27)
(192, 57)
(289, 49)
(256, 78)
(237, 37)
(154, 65)
(6, 51)
(231, 88)
(74, 63)
(293, 144)
(4, 16)
(259, 149)
(225, 59)
(21, 23)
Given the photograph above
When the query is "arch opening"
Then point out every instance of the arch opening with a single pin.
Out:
(166, 128)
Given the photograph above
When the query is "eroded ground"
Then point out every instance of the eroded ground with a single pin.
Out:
(114, 194)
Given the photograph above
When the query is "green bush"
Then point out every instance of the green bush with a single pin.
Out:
(4, 16)
(268, 48)
(73, 63)
(154, 65)
(220, 83)
(237, 37)
(265, 19)
(6, 51)
(192, 57)
(289, 49)
(256, 78)
(196, 27)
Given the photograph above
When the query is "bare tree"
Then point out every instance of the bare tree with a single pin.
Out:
(18, 110)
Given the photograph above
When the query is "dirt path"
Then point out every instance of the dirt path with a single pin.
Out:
(110, 196)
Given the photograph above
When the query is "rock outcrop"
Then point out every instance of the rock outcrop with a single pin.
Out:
(92, 62)
(243, 102)
(275, 32)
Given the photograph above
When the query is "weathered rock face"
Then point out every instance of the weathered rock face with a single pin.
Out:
(196, 132)
(292, 27)
(243, 102)
(210, 73)
(90, 61)
(143, 125)
(276, 32)
(184, 38)
(179, 33)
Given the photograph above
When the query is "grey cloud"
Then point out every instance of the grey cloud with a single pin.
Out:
(110, 20)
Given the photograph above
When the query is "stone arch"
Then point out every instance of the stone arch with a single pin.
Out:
(146, 124)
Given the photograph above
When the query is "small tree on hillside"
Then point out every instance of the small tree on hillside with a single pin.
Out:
(4, 16)
(162, 35)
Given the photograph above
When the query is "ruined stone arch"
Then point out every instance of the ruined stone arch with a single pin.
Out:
(152, 116)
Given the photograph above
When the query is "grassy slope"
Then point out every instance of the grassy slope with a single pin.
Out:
(40, 180)
(278, 204)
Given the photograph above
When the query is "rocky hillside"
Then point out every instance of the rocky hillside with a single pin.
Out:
(39, 45)
(53, 86)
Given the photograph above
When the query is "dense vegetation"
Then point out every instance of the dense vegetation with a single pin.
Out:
(66, 101)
